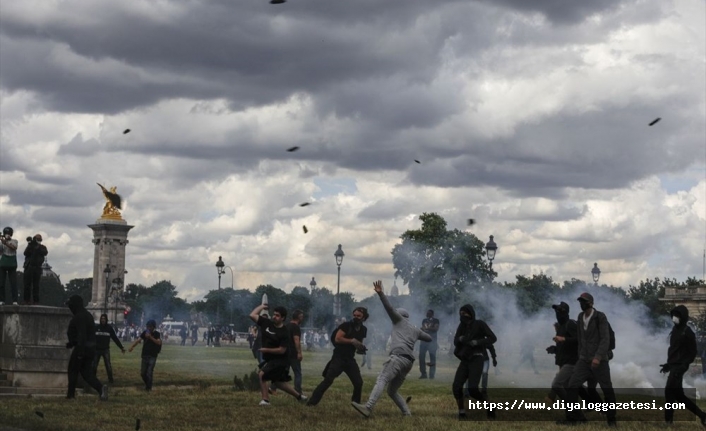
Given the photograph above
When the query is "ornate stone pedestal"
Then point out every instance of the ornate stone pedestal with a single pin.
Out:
(33, 354)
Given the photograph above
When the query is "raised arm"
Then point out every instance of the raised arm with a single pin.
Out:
(394, 315)
(255, 314)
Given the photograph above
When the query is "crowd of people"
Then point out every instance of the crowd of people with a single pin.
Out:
(582, 349)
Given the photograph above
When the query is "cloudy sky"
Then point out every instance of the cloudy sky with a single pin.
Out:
(530, 116)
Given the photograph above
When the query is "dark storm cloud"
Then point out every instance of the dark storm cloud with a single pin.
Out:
(78, 147)
(608, 149)
(562, 11)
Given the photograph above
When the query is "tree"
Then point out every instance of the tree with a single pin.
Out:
(648, 292)
(535, 293)
(438, 264)
(82, 287)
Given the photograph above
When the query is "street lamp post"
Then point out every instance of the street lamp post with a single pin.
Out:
(220, 268)
(596, 274)
(490, 249)
(337, 300)
(106, 272)
(312, 286)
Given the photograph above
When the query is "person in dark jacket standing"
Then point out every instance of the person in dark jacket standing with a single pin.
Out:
(34, 253)
(594, 353)
(104, 333)
(8, 265)
(681, 353)
(150, 351)
(470, 341)
(82, 338)
(430, 325)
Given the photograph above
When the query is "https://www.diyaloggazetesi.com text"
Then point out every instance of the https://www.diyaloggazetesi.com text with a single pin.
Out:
(583, 405)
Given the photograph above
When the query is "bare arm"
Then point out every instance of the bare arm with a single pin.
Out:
(137, 341)
(255, 314)
(394, 315)
(424, 336)
(341, 339)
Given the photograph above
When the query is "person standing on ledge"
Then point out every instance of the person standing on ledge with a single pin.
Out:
(8, 265)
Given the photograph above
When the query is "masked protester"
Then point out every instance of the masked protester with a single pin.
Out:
(82, 338)
(35, 252)
(566, 354)
(105, 333)
(8, 266)
(681, 353)
(471, 340)
(395, 369)
(594, 353)
(347, 340)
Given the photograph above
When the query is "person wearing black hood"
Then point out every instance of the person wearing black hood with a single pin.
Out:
(681, 353)
(566, 354)
(104, 333)
(471, 340)
(82, 338)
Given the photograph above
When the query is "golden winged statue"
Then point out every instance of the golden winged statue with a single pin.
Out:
(113, 203)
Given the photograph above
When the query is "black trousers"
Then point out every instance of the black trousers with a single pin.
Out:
(469, 370)
(84, 366)
(674, 392)
(11, 273)
(105, 354)
(31, 277)
(584, 373)
(333, 369)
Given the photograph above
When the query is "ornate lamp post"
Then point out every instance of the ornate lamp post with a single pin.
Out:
(220, 267)
(596, 274)
(337, 300)
(106, 273)
(490, 249)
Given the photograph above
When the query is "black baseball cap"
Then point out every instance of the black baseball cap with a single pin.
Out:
(562, 306)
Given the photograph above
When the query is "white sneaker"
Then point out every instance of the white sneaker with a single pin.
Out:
(2, 303)
(14, 303)
(264, 403)
(303, 398)
(362, 409)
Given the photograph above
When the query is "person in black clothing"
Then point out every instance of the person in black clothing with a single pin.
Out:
(294, 350)
(681, 353)
(194, 333)
(275, 341)
(34, 253)
(566, 351)
(82, 338)
(594, 353)
(183, 333)
(430, 325)
(150, 351)
(348, 340)
(470, 341)
(104, 333)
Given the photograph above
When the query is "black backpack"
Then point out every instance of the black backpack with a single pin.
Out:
(611, 333)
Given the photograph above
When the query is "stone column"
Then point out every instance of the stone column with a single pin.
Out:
(110, 239)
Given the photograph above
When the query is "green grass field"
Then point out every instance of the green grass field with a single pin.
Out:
(194, 391)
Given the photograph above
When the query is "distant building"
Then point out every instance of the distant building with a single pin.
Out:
(394, 291)
(47, 271)
(692, 297)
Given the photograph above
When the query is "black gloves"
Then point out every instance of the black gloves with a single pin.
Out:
(665, 368)
(551, 350)
(495, 362)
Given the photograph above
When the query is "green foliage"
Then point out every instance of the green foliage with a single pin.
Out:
(82, 287)
(649, 292)
(535, 293)
(438, 264)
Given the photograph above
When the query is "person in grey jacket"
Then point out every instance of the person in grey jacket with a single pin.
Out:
(395, 369)
(594, 354)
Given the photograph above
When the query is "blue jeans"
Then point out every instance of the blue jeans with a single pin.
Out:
(147, 370)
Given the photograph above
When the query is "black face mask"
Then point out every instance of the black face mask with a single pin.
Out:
(584, 305)
(466, 319)
(562, 317)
